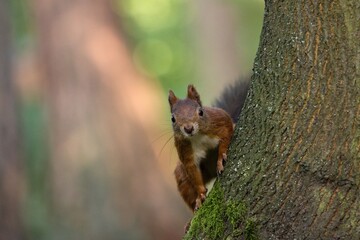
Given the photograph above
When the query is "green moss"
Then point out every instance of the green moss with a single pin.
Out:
(251, 230)
(219, 218)
(209, 218)
(235, 212)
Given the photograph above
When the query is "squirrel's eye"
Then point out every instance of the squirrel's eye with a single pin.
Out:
(201, 112)
(173, 119)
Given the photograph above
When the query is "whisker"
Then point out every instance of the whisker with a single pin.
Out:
(165, 144)
(160, 136)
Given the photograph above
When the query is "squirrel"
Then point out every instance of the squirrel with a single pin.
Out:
(202, 136)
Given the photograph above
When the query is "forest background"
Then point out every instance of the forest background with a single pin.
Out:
(85, 147)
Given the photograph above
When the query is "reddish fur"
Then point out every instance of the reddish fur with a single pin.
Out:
(215, 123)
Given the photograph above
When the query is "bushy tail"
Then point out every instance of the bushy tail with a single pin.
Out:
(233, 98)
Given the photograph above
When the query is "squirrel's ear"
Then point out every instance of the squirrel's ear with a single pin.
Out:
(193, 94)
(172, 98)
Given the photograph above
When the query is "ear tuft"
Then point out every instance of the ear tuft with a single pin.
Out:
(172, 98)
(193, 94)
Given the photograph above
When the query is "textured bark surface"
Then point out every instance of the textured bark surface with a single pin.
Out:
(295, 158)
(11, 227)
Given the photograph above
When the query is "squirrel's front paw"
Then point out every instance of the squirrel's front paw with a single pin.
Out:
(198, 202)
(224, 156)
(220, 166)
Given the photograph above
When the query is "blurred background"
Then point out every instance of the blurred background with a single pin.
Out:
(85, 137)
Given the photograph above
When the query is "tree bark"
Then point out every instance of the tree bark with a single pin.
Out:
(293, 168)
(11, 226)
(105, 181)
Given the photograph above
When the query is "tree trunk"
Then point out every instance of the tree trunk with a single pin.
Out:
(214, 34)
(105, 180)
(11, 226)
(293, 168)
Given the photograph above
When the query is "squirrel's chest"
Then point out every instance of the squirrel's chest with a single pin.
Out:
(201, 144)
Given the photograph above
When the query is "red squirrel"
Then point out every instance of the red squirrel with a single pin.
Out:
(202, 136)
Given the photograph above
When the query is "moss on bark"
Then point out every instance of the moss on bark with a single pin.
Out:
(221, 218)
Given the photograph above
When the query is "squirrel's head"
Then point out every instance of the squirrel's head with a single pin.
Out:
(186, 114)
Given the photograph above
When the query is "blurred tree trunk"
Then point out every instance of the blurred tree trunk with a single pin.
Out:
(11, 227)
(104, 176)
(294, 164)
(214, 31)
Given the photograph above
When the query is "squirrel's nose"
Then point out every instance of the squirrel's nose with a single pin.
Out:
(189, 129)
